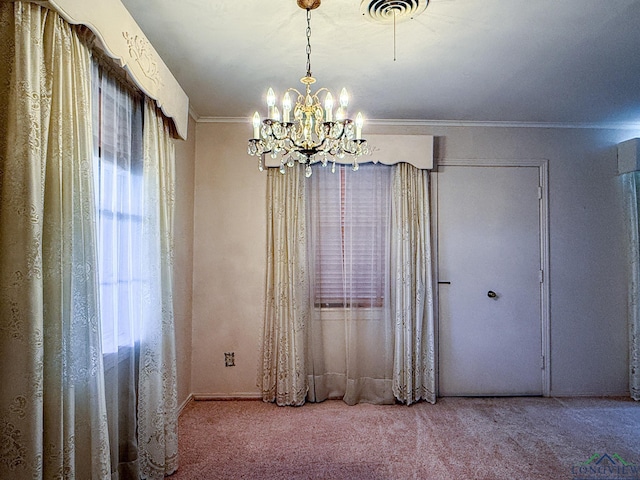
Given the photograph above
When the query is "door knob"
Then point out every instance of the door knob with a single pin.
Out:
(491, 294)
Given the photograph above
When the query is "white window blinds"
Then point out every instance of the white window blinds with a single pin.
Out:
(349, 225)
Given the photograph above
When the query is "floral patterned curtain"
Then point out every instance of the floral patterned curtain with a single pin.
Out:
(284, 377)
(53, 415)
(287, 343)
(412, 287)
(631, 186)
(157, 391)
(52, 409)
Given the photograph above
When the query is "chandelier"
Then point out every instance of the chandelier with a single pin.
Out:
(307, 132)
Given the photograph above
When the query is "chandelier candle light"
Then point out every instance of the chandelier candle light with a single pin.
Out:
(307, 132)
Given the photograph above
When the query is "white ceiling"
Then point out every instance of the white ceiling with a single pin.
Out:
(530, 61)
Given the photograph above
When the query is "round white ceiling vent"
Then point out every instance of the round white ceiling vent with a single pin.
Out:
(388, 11)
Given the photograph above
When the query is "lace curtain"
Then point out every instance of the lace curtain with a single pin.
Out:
(157, 394)
(284, 378)
(117, 141)
(52, 407)
(370, 336)
(134, 183)
(56, 417)
(412, 289)
(631, 188)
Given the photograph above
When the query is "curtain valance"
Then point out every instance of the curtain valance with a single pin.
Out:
(416, 150)
(122, 39)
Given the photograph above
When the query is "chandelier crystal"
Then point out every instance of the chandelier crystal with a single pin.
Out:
(308, 132)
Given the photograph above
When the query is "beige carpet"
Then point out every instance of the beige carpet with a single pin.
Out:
(458, 438)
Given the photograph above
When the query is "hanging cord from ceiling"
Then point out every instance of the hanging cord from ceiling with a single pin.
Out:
(392, 11)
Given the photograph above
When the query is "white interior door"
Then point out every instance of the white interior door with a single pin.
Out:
(489, 250)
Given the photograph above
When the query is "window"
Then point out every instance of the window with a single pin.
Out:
(118, 159)
(349, 222)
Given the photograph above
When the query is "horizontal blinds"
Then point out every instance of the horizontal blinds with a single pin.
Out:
(350, 224)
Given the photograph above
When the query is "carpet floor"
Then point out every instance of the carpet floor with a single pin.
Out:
(457, 438)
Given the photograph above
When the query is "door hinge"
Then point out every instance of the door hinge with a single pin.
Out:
(542, 362)
(541, 276)
(539, 193)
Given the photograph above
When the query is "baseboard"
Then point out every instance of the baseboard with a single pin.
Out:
(184, 404)
(589, 394)
(226, 396)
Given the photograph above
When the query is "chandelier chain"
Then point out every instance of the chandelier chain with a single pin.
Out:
(308, 42)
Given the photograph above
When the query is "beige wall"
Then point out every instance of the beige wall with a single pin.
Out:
(183, 260)
(229, 261)
(587, 275)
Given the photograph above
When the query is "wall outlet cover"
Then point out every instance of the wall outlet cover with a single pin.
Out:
(229, 359)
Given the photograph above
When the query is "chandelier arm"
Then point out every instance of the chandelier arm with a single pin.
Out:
(325, 145)
(299, 100)
(292, 89)
(350, 152)
(298, 145)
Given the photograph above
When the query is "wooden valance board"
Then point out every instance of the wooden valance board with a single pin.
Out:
(416, 150)
(122, 39)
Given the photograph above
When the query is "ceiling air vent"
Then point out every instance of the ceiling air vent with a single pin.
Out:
(388, 11)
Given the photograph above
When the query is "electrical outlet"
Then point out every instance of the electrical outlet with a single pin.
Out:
(229, 359)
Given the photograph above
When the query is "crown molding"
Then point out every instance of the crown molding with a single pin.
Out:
(459, 123)
(193, 114)
(505, 124)
(204, 119)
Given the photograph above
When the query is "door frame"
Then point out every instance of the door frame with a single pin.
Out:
(545, 312)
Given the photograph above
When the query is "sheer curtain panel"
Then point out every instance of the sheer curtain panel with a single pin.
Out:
(157, 395)
(52, 408)
(631, 188)
(350, 354)
(284, 376)
(134, 178)
(117, 140)
(349, 286)
(412, 287)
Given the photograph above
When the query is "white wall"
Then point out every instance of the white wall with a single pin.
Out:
(587, 264)
(587, 275)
